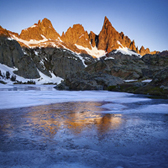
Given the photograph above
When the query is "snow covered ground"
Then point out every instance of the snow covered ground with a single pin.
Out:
(43, 78)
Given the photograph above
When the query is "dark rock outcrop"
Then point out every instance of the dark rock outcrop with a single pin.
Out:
(157, 87)
(85, 81)
(123, 66)
(130, 67)
(11, 54)
(65, 63)
(61, 62)
(154, 63)
(27, 68)
(161, 78)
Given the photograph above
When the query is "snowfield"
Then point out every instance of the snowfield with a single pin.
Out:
(93, 52)
(43, 78)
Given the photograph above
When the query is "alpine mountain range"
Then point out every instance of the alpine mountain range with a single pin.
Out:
(82, 60)
(42, 34)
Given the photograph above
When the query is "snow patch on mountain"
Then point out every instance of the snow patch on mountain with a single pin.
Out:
(35, 25)
(46, 79)
(43, 78)
(93, 52)
(4, 68)
(83, 60)
(28, 43)
(126, 51)
(36, 53)
(109, 58)
(147, 80)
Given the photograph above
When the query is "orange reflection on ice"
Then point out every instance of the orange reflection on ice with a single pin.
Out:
(75, 116)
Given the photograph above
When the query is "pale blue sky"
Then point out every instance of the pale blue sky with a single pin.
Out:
(144, 21)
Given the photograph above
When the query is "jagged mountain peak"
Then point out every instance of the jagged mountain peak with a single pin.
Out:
(4, 32)
(107, 23)
(38, 31)
(76, 35)
(108, 37)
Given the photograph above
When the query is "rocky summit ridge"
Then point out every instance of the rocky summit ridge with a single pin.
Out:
(43, 34)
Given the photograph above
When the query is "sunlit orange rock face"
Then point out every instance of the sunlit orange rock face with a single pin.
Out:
(76, 35)
(144, 51)
(4, 32)
(109, 38)
(93, 38)
(37, 31)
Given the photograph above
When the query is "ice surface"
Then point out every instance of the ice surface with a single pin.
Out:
(13, 96)
(123, 109)
(92, 129)
(2, 86)
(16, 97)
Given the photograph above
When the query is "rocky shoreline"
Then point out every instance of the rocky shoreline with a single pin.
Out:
(112, 74)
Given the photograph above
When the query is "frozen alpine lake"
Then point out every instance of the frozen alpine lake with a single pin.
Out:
(41, 127)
